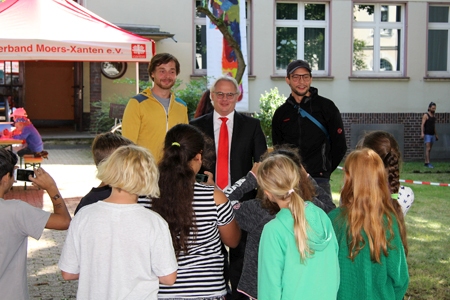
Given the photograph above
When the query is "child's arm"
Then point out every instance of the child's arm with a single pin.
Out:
(69, 276)
(168, 279)
(229, 230)
(60, 218)
(244, 185)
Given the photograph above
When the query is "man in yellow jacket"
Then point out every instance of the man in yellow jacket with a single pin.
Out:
(151, 113)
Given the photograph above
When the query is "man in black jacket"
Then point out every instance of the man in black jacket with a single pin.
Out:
(311, 123)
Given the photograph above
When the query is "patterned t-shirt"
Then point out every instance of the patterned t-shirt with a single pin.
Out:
(200, 270)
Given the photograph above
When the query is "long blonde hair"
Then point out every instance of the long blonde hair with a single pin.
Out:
(367, 203)
(280, 176)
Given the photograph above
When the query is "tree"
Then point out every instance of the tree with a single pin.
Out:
(358, 55)
(225, 30)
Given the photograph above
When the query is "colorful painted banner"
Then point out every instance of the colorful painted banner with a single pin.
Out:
(221, 58)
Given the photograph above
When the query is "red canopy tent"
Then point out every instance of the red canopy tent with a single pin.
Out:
(64, 30)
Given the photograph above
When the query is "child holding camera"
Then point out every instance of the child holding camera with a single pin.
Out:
(200, 217)
(18, 221)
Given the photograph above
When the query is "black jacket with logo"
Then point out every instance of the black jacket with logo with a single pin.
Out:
(320, 155)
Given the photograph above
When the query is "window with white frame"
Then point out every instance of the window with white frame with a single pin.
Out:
(302, 33)
(378, 39)
(200, 54)
(438, 41)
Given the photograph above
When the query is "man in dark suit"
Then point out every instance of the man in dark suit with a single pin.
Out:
(246, 144)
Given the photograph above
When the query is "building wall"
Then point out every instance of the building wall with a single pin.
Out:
(372, 100)
(406, 129)
(410, 93)
(111, 91)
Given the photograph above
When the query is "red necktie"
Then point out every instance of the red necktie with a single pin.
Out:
(222, 155)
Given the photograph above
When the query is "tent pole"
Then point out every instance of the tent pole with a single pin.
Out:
(137, 78)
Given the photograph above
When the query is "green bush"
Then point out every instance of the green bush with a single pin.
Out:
(191, 94)
(101, 121)
(268, 103)
(142, 84)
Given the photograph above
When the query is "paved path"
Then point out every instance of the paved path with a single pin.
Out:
(73, 169)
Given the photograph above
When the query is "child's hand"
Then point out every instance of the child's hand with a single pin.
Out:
(42, 179)
(210, 178)
(255, 168)
(6, 133)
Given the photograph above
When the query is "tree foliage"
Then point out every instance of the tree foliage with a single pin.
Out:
(191, 94)
(268, 103)
(358, 55)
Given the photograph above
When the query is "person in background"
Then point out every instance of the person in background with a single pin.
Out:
(204, 106)
(298, 251)
(372, 257)
(385, 145)
(18, 221)
(200, 217)
(311, 123)
(116, 248)
(150, 114)
(428, 132)
(19, 112)
(25, 130)
(103, 146)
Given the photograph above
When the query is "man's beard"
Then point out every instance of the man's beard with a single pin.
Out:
(165, 87)
(300, 94)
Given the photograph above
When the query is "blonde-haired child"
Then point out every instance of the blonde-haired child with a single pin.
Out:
(371, 253)
(298, 249)
(116, 247)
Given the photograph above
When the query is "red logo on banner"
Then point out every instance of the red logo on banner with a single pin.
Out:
(138, 51)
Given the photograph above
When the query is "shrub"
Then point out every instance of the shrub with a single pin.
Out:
(268, 103)
(101, 120)
(191, 94)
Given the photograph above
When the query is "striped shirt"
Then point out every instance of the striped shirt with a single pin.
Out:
(200, 270)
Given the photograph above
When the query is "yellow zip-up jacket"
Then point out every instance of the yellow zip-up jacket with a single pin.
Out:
(146, 123)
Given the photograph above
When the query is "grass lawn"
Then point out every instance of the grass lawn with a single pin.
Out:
(428, 227)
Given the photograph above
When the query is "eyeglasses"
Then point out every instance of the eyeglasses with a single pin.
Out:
(296, 77)
(221, 95)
